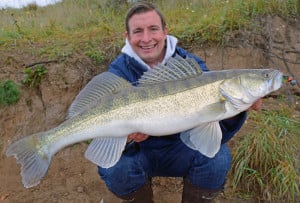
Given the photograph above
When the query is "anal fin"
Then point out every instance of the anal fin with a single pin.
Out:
(106, 152)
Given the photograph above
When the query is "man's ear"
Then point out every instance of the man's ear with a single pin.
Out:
(166, 31)
(126, 35)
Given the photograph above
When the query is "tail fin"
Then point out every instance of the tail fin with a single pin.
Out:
(33, 157)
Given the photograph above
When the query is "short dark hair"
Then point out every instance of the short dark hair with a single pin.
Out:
(143, 7)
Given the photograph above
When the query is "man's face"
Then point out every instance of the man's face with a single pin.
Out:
(147, 37)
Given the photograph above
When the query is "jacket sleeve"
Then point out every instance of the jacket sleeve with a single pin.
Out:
(232, 125)
(127, 68)
(117, 67)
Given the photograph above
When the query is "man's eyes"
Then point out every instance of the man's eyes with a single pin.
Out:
(152, 29)
(137, 31)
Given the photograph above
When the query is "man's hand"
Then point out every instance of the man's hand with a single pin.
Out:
(257, 105)
(137, 137)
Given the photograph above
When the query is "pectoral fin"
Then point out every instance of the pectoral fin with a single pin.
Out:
(105, 152)
(206, 138)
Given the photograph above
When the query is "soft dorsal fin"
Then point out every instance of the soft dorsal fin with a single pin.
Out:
(176, 68)
(101, 85)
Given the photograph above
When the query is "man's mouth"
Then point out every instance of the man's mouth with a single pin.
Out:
(148, 47)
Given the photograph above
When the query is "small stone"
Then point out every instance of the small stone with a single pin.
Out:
(80, 189)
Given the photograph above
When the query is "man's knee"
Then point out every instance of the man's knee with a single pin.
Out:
(210, 173)
(125, 177)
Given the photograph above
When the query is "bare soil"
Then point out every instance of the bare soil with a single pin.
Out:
(275, 42)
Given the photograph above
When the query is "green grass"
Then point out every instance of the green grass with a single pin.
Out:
(90, 25)
(9, 93)
(34, 75)
(265, 161)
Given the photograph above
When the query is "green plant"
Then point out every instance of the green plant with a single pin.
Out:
(34, 75)
(264, 160)
(9, 92)
(96, 56)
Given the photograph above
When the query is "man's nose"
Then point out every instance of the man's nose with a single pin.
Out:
(146, 36)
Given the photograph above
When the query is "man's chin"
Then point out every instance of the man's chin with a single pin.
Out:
(147, 57)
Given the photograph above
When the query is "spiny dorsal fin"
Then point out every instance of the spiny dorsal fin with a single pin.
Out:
(176, 68)
(101, 85)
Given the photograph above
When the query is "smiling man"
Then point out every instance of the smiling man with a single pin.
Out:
(146, 34)
(146, 156)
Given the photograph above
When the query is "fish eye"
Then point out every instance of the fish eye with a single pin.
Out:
(267, 75)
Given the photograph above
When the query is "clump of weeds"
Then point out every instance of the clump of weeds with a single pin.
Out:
(34, 75)
(9, 93)
(265, 160)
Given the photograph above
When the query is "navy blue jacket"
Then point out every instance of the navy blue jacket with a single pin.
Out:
(129, 69)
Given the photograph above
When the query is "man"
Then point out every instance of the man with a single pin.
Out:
(148, 44)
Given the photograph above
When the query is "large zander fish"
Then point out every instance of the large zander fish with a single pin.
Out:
(168, 99)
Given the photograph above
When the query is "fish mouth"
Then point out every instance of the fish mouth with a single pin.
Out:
(277, 80)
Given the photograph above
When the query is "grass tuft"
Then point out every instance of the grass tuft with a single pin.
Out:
(265, 160)
(34, 75)
(9, 93)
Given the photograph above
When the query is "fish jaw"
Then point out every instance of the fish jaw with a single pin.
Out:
(277, 82)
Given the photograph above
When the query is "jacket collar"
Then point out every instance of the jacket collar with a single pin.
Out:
(171, 43)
